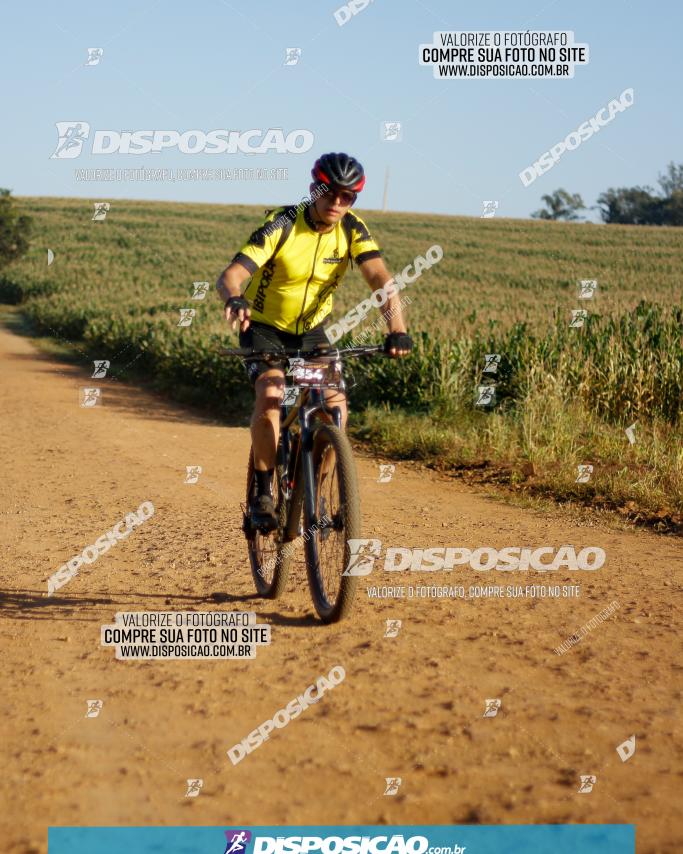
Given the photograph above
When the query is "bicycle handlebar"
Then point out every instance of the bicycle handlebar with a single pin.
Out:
(274, 355)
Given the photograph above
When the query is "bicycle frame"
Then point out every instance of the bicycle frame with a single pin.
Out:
(312, 403)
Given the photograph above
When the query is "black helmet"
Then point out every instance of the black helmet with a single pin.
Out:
(339, 170)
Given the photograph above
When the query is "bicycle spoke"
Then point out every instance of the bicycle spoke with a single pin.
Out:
(330, 535)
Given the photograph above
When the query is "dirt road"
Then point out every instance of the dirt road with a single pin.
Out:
(410, 706)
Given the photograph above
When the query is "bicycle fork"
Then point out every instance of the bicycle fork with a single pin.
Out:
(300, 469)
(313, 513)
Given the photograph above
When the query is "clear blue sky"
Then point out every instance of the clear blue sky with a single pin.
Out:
(218, 64)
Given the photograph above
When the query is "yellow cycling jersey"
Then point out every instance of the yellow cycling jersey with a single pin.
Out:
(296, 269)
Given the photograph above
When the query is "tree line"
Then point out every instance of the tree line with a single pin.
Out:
(624, 205)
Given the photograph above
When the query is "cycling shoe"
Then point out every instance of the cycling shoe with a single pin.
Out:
(262, 514)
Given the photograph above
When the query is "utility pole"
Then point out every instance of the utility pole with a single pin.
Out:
(386, 190)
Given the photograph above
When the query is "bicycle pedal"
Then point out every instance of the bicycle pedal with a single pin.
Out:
(266, 530)
(247, 530)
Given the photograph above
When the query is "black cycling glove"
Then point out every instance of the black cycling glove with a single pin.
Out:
(397, 341)
(237, 303)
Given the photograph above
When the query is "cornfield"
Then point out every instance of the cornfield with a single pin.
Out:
(563, 394)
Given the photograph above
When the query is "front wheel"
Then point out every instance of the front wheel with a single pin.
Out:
(337, 520)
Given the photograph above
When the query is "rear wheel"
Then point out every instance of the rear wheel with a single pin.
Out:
(269, 556)
(337, 520)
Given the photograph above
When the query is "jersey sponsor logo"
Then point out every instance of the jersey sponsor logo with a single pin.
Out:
(334, 258)
(263, 285)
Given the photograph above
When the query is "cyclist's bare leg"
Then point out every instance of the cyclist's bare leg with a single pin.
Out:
(334, 397)
(265, 419)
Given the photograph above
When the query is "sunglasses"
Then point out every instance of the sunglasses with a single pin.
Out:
(346, 197)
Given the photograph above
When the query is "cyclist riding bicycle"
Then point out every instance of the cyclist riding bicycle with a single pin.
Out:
(296, 260)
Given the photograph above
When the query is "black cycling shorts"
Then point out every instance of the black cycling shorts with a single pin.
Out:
(261, 336)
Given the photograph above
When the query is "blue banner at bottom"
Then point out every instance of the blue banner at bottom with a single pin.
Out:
(347, 839)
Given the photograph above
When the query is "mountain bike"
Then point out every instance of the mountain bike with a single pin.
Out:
(315, 478)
